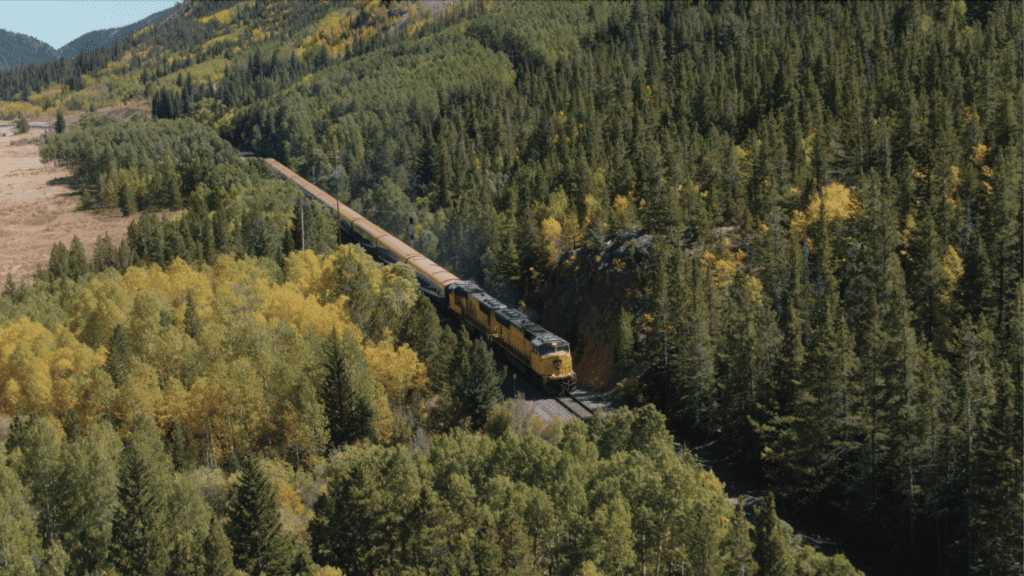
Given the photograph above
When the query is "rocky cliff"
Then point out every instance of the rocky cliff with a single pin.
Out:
(582, 300)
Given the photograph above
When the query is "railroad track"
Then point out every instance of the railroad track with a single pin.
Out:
(575, 406)
(580, 404)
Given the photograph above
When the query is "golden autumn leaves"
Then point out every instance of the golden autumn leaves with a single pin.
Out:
(241, 382)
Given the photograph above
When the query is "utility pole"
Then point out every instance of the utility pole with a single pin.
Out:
(336, 156)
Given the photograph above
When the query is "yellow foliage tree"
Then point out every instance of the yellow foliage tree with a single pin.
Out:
(285, 303)
(623, 214)
(953, 270)
(551, 239)
(97, 310)
(38, 366)
(723, 268)
(399, 370)
(313, 275)
(839, 202)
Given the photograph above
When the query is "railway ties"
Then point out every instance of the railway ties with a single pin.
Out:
(575, 406)
(545, 406)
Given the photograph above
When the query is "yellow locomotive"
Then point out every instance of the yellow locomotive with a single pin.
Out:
(530, 347)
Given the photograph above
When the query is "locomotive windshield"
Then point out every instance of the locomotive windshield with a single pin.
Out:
(550, 347)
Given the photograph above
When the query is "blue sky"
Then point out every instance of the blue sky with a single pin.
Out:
(58, 22)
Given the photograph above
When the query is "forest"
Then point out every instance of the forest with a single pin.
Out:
(834, 290)
(299, 422)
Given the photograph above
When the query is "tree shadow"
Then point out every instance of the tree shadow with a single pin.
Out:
(80, 188)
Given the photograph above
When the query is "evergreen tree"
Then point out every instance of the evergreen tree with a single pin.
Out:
(104, 254)
(21, 544)
(348, 411)
(475, 382)
(89, 498)
(217, 556)
(179, 449)
(999, 468)
(139, 541)
(694, 361)
(625, 341)
(193, 324)
(73, 428)
(258, 541)
(59, 124)
(421, 330)
(40, 470)
(771, 540)
(126, 198)
(78, 264)
(58, 266)
(117, 364)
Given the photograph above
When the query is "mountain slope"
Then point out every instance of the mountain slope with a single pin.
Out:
(21, 49)
(98, 38)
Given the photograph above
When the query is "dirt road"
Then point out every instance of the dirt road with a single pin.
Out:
(37, 209)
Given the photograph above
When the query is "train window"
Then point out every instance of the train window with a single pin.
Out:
(551, 347)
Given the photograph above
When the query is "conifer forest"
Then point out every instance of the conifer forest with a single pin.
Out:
(820, 204)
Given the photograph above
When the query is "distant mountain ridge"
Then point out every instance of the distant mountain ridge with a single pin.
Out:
(18, 49)
(21, 50)
(99, 38)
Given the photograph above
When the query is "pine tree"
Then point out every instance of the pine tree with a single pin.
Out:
(118, 356)
(348, 410)
(104, 255)
(139, 538)
(78, 264)
(73, 428)
(193, 324)
(58, 266)
(258, 540)
(999, 501)
(179, 449)
(20, 542)
(88, 499)
(475, 383)
(40, 470)
(625, 341)
(771, 540)
(421, 330)
(694, 360)
(126, 196)
(59, 125)
(217, 556)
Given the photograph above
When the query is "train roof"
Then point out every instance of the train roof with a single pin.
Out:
(311, 189)
(465, 288)
(487, 302)
(432, 270)
(397, 247)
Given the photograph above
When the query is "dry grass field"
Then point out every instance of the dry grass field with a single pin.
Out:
(38, 209)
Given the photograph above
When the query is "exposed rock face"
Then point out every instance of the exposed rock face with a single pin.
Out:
(21, 50)
(582, 300)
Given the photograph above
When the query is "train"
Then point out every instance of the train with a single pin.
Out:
(537, 353)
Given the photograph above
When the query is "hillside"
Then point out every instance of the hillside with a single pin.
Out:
(829, 197)
(99, 38)
(17, 50)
